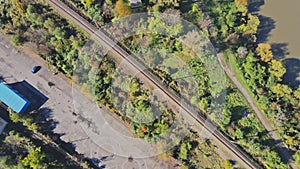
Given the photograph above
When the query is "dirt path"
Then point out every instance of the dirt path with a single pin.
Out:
(285, 153)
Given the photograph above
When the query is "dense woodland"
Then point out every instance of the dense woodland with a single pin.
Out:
(24, 146)
(20, 152)
(234, 32)
(257, 69)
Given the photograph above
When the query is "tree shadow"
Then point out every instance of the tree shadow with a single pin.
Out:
(2, 79)
(254, 5)
(280, 50)
(98, 162)
(274, 145)
(186, 5)
(292, 66)
(43, 117)
(266, 25)
(238, 113)
(53, 152)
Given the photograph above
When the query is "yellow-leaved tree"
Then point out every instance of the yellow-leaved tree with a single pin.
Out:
(264, 51)
(122, 8)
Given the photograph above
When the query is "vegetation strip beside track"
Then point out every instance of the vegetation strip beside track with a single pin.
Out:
(120, 52)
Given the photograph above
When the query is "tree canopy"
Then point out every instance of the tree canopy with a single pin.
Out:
(122, 8)
(277, 69)
(264, 51)
(35, 159)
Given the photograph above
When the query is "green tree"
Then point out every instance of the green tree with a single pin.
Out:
(33, 127)
(35, 159)
(226, 115)
(33, 16)
(297, 93)
(7, 162)
(17, 40)
(49, 24)
(87, 3)
(184, 148)
(166, 3)
(297, 158)
(15, 117)
(195, 15)
(250, 27)
(239, 134)
(281, 90)
(277, 69)
(167, 23)
(273, 160)
(203, 104)
(227, 164)
(59, 33)
(95, 12)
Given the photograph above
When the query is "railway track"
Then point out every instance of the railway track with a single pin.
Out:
(117, 50)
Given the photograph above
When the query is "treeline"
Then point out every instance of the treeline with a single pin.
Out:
(20, 152)
(235, 31)
(33, 21)
(58, 43)
(236, 120)
(25, 146)
(149, 119)
(29, 142)
(255, 66)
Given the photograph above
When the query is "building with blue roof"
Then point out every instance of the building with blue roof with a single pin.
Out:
(13, 99)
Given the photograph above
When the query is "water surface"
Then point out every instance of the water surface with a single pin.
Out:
(280, 27)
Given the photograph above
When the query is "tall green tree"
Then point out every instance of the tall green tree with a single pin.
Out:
(168, 23)
(277, 69)
(184, 148)
(87, 3)
(35, 159)
(297, 93)
(251, 26)
(281, 90)
(297, 158)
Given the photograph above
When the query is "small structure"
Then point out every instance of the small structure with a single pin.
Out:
(135, 3)
(245, 114)
(13, 99)
(3, 123)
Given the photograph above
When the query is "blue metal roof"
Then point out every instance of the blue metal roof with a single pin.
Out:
(12, 99)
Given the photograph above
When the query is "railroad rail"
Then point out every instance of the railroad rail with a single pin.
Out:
(117, 50)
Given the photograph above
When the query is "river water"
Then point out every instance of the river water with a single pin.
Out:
(280, 26)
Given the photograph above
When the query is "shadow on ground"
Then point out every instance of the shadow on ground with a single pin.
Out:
(279, 50)
(44, 118)
(265, 27)
(254, 5)
(292, 72)
(34, 96)
(52, 151)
